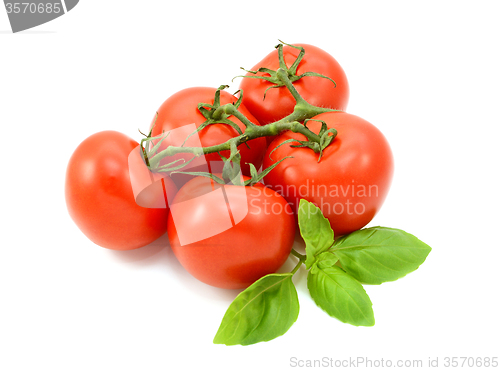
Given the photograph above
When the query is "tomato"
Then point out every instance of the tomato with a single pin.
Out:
(181, 110)
(316, 90)
(229, 236)
(100, 198)
(351, 181)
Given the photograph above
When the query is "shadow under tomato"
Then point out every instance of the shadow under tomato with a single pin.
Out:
(159, 253)
(144, 255)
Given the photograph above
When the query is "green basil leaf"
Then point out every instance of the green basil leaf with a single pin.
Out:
(340, 295)
(376, 255)
(326, 259)
(262, 312)
(315, 229)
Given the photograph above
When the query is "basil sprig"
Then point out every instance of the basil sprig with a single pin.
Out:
(337, 270)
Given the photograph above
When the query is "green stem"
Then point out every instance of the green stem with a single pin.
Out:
(197, 151)
(283, 76)
(298, 255)
(302, 111)
(302, 259)
(232, 110)
(251, 132)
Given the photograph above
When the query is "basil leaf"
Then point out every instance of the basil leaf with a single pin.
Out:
(340, 295)
(262, 312)
(376, 255)
(326, 259)
(315, 229)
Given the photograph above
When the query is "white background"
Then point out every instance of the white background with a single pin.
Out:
(426, 73)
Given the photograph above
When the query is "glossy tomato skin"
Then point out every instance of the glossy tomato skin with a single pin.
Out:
(235, 258)
(315, 90)
(181, 109)
(100, 199)
(351, 181)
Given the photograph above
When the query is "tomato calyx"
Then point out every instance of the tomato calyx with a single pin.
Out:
(273, 77)
(326, 137)
(217, 114)
(144, 150)
(149, 153)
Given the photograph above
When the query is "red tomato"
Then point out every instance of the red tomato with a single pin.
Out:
(316, 90)
(230, 236)
(181, 109)
(100, 199)
(350, 182)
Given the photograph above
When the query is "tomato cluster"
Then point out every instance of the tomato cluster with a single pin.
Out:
(229, 235)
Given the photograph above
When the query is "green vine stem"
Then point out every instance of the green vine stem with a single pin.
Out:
(302, 259)
(302, 111)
